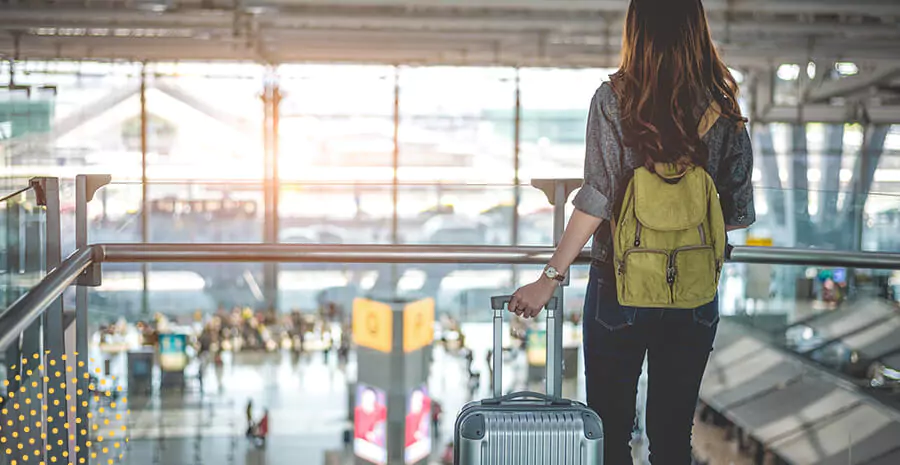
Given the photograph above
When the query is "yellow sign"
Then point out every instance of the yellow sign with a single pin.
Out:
(418, 325)
(372, 324)
(759, 241)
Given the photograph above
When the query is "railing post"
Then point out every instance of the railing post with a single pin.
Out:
(54, 338)
(85, 187)
(14, 254)
(557, 192)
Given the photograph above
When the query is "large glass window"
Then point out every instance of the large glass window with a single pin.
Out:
(457, 124)
(66, 118)
(336, 146)
(555, 104)
(195, 133)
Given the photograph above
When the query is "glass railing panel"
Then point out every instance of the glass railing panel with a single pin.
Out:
(115, 214)
(22, 245)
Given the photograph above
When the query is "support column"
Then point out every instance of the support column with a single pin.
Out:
(395, 180)
(800, 184)
(830, 185)
(771, 179)
(145, 198)
(864, 174)
(271, 98)
(517, 190)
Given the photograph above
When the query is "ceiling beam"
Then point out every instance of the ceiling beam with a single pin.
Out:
(850, 85)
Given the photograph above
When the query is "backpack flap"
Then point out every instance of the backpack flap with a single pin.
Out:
(673, 204)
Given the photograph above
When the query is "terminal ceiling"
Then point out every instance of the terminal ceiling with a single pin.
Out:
(563, 33)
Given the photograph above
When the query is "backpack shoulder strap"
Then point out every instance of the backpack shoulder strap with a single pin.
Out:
(709, 118)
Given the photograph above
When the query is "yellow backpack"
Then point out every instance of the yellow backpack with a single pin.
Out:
(669, 237)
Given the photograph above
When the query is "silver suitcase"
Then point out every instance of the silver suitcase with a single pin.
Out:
(527, 428)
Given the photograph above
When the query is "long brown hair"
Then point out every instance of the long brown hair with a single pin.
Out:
(670, 69)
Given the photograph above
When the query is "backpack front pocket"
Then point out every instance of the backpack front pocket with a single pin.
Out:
(641, 278)
(695, 274)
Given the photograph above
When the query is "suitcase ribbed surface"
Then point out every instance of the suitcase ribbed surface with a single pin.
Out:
(534, 438)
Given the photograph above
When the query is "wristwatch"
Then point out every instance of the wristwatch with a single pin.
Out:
(554, 274)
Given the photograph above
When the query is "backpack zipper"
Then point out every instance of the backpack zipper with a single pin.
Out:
(702, 234)
(637, 234)
(670, 276)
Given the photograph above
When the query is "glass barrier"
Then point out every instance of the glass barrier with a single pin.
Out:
(22, 245)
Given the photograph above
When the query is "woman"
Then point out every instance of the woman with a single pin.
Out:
(650, 111)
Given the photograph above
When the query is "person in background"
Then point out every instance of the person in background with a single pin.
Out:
(250, 424)
(447, 455)
(262, 429)
(436, 411)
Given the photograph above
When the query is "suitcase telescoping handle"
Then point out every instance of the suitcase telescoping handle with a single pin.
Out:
(498, 304)
(527, 395)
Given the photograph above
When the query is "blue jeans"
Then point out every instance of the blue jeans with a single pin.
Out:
(677, 343)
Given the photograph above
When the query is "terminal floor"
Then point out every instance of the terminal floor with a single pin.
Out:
(307, 402)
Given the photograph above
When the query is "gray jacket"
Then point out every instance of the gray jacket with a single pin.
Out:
(606, 169)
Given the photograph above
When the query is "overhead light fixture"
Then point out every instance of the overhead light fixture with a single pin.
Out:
(155, 6)
(259, 10)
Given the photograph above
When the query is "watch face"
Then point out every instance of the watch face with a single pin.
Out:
(551, 273)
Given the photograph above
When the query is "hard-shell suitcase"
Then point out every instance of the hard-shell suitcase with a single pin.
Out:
(527, 428)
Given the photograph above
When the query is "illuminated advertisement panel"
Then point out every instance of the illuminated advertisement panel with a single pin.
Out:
(418, 425)
(370, 424)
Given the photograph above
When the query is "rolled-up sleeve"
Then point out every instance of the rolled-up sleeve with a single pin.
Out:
(734, 180)
(597, 194)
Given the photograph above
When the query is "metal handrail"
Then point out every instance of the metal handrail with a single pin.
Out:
(502, 255)
(310, 253)
(30, 306)
(18, 192)
(816, 257)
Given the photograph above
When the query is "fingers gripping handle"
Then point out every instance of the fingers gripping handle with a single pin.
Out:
(498, 304)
